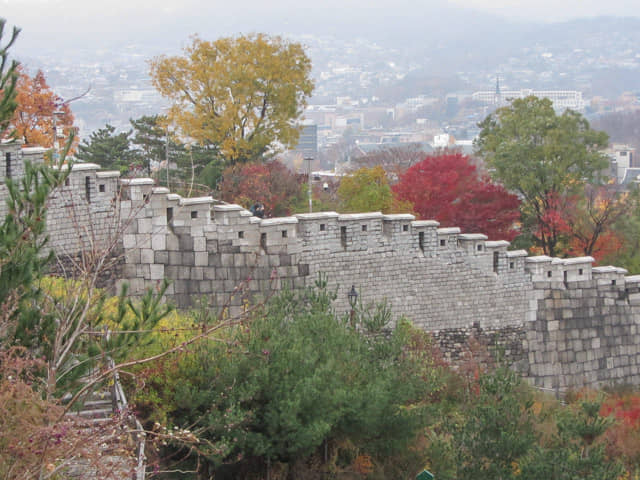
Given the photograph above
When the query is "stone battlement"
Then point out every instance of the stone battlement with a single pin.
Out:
(562, 322)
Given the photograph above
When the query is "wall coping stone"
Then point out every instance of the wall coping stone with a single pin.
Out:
(346, 217)
(497, 244)
(173, 196)
(160, 190)
(316, 216)
(472, 236)
(278, 221)
(398, 216)
(539, 259)
(32, 149)
(516, 253)
(230, 207)
(425, 223)
(133, 181)
(77, 167)
(632, 279)
(195, 201)
(110, 174)
(609, 269)
(577, 260)
(448, 230)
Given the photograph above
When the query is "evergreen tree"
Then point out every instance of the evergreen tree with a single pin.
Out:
(497, 430)
(574, 452)
(108, 149)
(301, 377)
(23, 255)
(149, 140)
(8, 79)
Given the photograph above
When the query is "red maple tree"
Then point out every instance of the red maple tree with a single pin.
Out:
(270, 183)
(447, 187)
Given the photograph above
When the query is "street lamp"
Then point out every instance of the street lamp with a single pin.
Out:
(353, 298)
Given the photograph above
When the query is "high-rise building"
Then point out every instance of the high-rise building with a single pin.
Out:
(308, 141)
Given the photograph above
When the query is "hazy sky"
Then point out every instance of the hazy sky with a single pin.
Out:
(554, 10)
(544, 10)
(80, 22)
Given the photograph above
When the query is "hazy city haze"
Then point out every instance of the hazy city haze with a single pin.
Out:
(385, 52)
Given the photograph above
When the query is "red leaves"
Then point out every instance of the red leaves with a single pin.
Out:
(447, 188)
(270, 183)
(625, 408)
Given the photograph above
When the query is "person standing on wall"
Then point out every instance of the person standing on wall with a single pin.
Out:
(257, 210)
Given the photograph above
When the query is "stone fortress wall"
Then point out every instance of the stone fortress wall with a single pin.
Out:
(562, 322)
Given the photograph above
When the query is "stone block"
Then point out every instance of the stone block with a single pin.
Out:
(162, 257)
(130, 270)
(226, 259)
(210, 273)
(156, 272)
(201, 259)
(184, 273)
(143, 241)
(173, 243)
(145, 225)
(188, 259)
(147, 256)
(159, 241)
(215, 260)
(132, 256)
(197, 273)
(175, 258)
(159, 221)
(200, 244)
(186, 242)
(128, 241)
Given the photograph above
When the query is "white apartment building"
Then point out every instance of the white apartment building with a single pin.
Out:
(562, 99)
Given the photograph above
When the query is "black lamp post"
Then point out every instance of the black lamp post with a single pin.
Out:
(353, 298)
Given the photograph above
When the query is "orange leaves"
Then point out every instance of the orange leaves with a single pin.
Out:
(33, 120)
(588, 220)
(363, 465)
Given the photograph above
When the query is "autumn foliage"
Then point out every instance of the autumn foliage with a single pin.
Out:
(623, 437)
(239, 94)
(32, 121)
(269, 183)
(448, 188)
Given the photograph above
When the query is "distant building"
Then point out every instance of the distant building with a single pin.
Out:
(622, 162)
(444, 140)
(562, 99)
(308, 141)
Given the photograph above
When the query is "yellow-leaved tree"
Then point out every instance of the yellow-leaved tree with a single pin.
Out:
(240, 95)
(368, 190)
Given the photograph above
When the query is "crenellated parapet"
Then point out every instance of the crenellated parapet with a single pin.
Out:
(562, 322)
